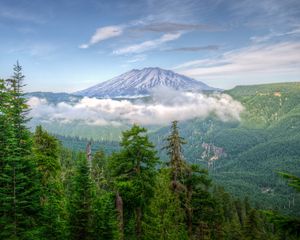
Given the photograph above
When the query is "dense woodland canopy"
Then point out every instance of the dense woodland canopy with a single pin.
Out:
(50, 192)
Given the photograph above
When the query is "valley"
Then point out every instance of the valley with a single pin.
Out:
(264, 142)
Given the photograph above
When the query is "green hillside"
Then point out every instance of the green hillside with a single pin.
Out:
(267, 103)
(264, 142)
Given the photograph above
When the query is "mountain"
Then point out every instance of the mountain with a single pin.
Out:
(142, 82)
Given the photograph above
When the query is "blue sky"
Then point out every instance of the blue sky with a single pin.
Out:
(66, 45)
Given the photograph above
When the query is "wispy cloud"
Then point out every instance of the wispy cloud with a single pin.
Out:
(137, 58)
(167, 105)
(19, 14)
(102, 34)
(273, 35)
(147, 45)
(266, 12)
(175, 27)
(276, 58)
(42, 49)
(195, 49)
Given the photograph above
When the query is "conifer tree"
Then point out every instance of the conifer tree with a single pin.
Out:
(53, 202)
(3, 122)
(19, 193)
(289, 226)
(81, 201)
(190, 186)
(133, 170)
(104, 212)
(176, 162)
(165, 219)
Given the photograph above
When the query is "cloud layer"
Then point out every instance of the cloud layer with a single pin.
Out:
(160, 111)
(147, 45)
(275, 58)
(102, 34)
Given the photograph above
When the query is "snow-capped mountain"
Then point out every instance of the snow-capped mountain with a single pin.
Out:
(142, 82)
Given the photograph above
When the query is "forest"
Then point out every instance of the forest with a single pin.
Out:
(48, 191)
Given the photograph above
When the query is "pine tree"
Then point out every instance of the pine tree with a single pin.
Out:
(81, 201)
(19, 192)
(53, 202)
(133, 170)
(252, 226)
(289, 226)
(105, 217)
(99, 167)
(19, 199)
(176, 162)
(165, 219)
(3, 122)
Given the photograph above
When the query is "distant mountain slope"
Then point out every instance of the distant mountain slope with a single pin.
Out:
(265, 142)
(266, 103)
(142, 82)
(55, 98)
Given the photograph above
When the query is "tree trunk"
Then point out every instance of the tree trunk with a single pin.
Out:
(138, 212)
(189, 211)
(89, 154)
(119, 207)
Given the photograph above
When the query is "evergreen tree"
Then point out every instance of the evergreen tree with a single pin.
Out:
(99, 168)
(252, 227)
(81, 201)
(19, 192)
(289, 226)
(133, 170)
(3, 122)
(190, 186)
(165, 219)
(104, 212)
(176, 162)
(105, 217)
(53, 202)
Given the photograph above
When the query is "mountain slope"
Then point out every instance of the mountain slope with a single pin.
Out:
(266, 141)
(55, 98)
(142, 82)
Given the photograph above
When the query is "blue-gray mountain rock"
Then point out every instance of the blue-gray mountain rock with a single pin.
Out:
(137, 83)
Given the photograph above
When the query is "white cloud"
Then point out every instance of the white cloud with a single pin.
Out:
(166, 106)
(102, 34)
(147, 45)
(137, 58)
(256, 60)
(272, 35)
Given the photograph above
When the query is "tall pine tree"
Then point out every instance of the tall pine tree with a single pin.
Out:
(19, 193)
(81, 201)
(54, 216)
(133, 170)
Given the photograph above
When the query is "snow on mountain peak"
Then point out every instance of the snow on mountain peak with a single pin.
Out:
(142, 82)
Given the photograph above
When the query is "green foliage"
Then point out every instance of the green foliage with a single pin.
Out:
(81, 201)
(52, 197)
(50, 192)
(19, 190)
(294, 181)
(133, 171)
(165, 219)
(289, 226)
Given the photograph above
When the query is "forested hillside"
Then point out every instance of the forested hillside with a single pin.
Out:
(50, 192)
(244, 156)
